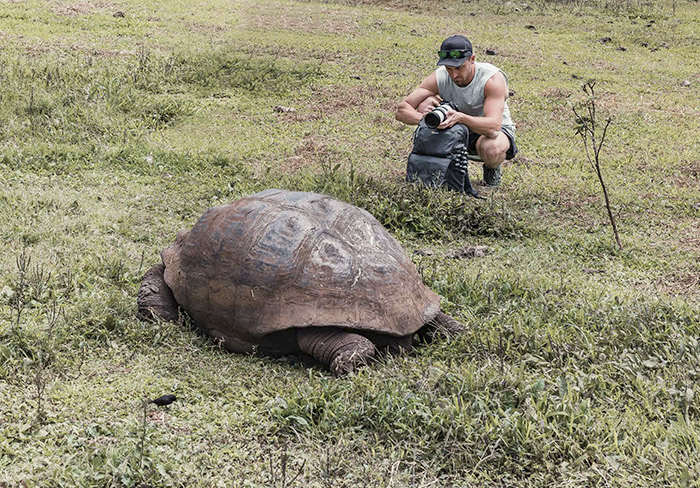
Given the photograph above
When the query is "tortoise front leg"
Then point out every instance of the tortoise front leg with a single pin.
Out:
(155, 299)
(338, 349)
(441, 326)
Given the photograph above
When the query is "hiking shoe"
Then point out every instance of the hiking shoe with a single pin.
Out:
(492, 176)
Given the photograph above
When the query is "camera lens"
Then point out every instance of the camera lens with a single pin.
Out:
(433, 119)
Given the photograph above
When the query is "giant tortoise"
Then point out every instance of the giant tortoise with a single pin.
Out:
(279, 272)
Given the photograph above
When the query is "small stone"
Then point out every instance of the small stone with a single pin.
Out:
(149, 159)
(622, 48)
(355, 77)
(284, 110)
(605, 39)
(490, 52)
(531, 27)
(645, 44)
(685, 83)
(423, 252)
(118, 14)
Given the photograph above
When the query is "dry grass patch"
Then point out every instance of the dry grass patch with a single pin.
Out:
(315, 20)
(84, 8)
(678, 284)
(557, 93)
(205, 28)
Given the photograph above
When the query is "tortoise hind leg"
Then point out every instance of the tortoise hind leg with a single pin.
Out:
(338, 349)
(155, 299)
(441, 326)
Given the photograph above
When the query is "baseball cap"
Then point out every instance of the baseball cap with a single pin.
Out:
(454, 51)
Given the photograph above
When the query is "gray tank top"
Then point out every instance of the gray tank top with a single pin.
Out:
(470, 99)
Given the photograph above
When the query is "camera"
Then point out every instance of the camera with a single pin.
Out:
(438, 114)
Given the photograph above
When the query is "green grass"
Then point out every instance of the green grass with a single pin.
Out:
(581, 363)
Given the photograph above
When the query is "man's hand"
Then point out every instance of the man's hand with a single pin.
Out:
(453, 117)
(432, 103)
(419, 102)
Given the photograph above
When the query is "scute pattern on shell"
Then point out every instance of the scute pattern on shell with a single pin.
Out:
(279, 259)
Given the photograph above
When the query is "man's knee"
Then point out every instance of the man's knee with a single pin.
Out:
(493, 151)
(493, 156)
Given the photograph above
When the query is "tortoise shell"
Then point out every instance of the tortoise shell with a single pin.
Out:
(278, 260)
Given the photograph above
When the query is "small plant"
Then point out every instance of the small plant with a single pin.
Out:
(142, 438)
(20, 288)
(279, 471)
(40, 365)
(38, 351)
(161, 401)
(593, 137)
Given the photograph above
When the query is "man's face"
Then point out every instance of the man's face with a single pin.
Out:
(462, 75)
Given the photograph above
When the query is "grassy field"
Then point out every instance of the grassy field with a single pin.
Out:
(122, 121)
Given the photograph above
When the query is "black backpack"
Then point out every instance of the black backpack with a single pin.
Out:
(439, 158)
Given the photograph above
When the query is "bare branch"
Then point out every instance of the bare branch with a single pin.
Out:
(593, 141)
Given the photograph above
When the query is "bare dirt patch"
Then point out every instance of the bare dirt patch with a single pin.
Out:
(319, 21)
(391, 5)
(680, 284)
(336, 99)
(557, 93)
(102, 53)
(689, 176)
(83, 8)
(205, 28)
(310, 151)
(691, 241)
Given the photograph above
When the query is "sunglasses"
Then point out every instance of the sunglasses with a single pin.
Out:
(454, 53)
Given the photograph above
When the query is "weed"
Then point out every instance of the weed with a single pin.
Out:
(587, 127)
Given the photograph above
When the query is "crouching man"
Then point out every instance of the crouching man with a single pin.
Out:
(479, 92)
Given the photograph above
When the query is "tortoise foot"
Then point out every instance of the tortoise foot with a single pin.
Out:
(441, 326)
(155, 299)
(353, 357)
(338, 349)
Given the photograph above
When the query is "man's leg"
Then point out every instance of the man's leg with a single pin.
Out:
(493, 152)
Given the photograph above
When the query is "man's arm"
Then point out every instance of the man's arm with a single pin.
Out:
(494, 99)
(421, 100)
